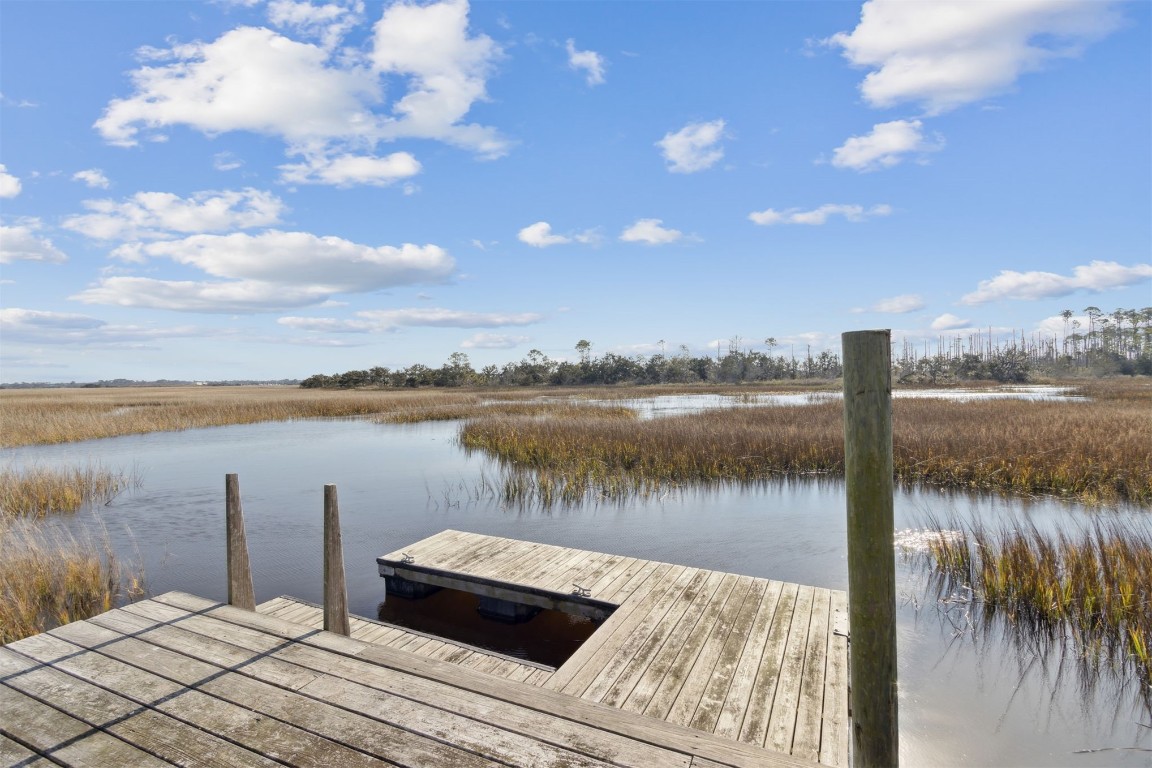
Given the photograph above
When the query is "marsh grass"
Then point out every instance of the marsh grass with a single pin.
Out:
(40, 417)
(49, 577)
(1093, 451)
(39, 491)
(1092, 587)
(37, 417)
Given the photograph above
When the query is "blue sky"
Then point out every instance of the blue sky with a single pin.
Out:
(274, 189)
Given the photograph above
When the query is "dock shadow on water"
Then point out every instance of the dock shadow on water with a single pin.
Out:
(549, 637)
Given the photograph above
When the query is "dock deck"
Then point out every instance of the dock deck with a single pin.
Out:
(691, 667)
(751, 660)
(182, 680)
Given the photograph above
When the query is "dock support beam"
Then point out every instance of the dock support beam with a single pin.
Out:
(240, 592)
(871, 556)
(335, 590)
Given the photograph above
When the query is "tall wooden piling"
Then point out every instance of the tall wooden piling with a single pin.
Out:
(240, 592)
(871, 556)
(335, 590)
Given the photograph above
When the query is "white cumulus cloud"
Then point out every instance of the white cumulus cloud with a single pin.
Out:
(898, 305)
(347, 170)
(885, 146)
(302, 259)
(591, 62)
(266, 272)
(1094, 277)
(817, 216)
(949, 322)
(93, 177)
(150, 215)
(446, 69)
(9, 185)
(695, 147)
(947, 53)
(248, 79)
(650, 231)
(21, 242)
(540, 235)
(327, 22)
(332, 105)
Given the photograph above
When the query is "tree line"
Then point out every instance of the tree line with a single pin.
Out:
(1117, 343)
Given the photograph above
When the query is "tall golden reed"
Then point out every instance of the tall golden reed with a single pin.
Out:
(49, 577)
(1095, 451)
(38, 491)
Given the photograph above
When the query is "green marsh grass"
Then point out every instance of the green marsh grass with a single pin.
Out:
(1092, 586)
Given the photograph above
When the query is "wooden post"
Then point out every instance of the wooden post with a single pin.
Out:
(335, 591)
(871, 556)
(240, 592)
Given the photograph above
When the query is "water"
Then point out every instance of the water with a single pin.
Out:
(669, 405)
(965, 699)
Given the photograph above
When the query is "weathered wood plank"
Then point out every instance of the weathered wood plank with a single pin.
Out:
(524, 564)
(541, 700)
(634, 637)
(53, 733)
(427, 547)
(639, 684)
(736, 703)
(715, 691)
(19, 756)
(782, 724)
(324, 728)
(754, 729)
(697, 664)
(577, 673)
(834, 734)
(133, 722)
(696, 632)
(810, 704)
(636, 583)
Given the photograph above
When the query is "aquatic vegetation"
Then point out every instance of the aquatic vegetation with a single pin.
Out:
(39, 491)
(1092, 587)
(39, 417)
(1094, 450)
(49, 577)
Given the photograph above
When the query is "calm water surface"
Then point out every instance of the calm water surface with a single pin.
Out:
(965, 700)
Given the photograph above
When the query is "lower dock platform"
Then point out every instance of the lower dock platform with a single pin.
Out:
(180, 680)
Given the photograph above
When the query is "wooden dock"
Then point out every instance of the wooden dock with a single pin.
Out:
(179, 680)
(691, 668)
(756, 661)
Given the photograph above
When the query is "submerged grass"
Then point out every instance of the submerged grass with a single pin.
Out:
(1094, 451)
(49, 577)
(39, 491)
(1093, 586)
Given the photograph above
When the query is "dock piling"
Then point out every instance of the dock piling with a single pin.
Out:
(240, 592)
(871, 558)
(335, 589)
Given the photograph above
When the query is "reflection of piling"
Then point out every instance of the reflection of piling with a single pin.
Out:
(335, 590)
(240, 592)
(871, 558)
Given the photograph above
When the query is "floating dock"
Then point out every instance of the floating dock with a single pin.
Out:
(690, 667)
